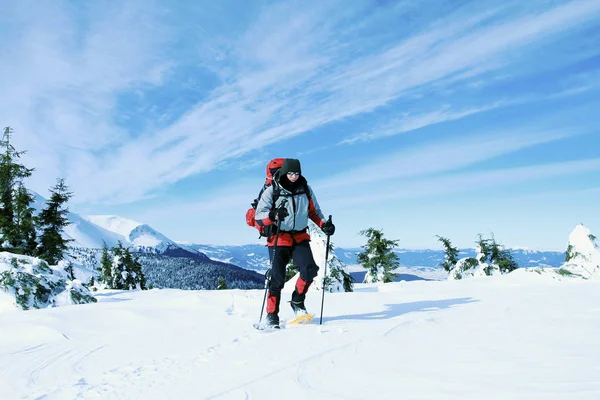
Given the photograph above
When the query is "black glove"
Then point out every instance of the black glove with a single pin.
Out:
(328, 228)
(278, 214)
(270, 230)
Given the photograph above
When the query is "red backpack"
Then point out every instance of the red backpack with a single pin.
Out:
(272, 167)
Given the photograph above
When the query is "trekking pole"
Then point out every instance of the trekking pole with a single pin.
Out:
(267, 280)
(268, 273)
(325, 274)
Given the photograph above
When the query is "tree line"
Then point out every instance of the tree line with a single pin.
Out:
(380, 260)
(41, 235)
(21, 230)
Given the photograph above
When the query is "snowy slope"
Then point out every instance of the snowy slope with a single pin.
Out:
(133, 232)
(87, 234)
(81, 231)
(496, 338)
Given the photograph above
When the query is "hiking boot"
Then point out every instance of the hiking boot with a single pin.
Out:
(272, 320)
(298, 307)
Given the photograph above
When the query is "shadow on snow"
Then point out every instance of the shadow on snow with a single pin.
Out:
(395, 310)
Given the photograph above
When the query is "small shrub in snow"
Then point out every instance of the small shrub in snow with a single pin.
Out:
(35, 285)
(564, 272)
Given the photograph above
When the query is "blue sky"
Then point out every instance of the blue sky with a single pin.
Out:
(448, 118)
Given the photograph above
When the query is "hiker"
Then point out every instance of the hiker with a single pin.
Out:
(293, 206)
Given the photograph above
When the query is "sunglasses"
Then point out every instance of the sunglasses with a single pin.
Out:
(293, 173)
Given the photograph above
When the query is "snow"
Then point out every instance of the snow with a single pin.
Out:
(88, 234)
(517, 336)
(114, 223)
(586, 253)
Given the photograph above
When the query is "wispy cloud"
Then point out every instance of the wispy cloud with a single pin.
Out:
(293, 70)
(441, 157)
(410, 123)
(464, 183)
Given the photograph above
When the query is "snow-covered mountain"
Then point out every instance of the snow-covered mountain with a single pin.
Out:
(130, 232)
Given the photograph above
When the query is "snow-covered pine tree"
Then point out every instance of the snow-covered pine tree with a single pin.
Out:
(124, 271)
(135, 277)
(502, 257)
(53, 219)
(484, 248)
(491, 259)
(105, 266)
(12, 174)
(451, 254)
(337, 279)
(337, 274)
(379, 258)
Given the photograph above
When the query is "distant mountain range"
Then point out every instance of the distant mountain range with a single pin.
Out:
(92, 231)
(255, 257)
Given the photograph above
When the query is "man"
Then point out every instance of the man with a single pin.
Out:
(294, 204)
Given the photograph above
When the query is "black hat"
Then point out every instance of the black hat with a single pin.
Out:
(290, 165)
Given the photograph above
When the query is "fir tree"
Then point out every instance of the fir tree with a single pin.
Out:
(502, 257)
(105, 266)
(221, 284)
(337, 273)
(135, 277)
(53, 219)
(11, 174)
(122, 271)
(485, 249)
(378, 258)
(451, 254)
(25, 222)
(91, 283)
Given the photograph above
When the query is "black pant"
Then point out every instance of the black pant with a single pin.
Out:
(303, 258)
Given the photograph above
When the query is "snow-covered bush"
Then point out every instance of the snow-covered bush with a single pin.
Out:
(34, 284)
(583, 254)
(337, 279)
(491, 259)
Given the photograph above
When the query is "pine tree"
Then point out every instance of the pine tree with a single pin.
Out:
(378, 258)
(117, 268)
(502, 257)
(25, 222)
(53, 219)
(135, 277)
(105, 266)
(451, 254)
(485, 249)
(11, 174)
(221, 284)
(337, 273)
(122, 271)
